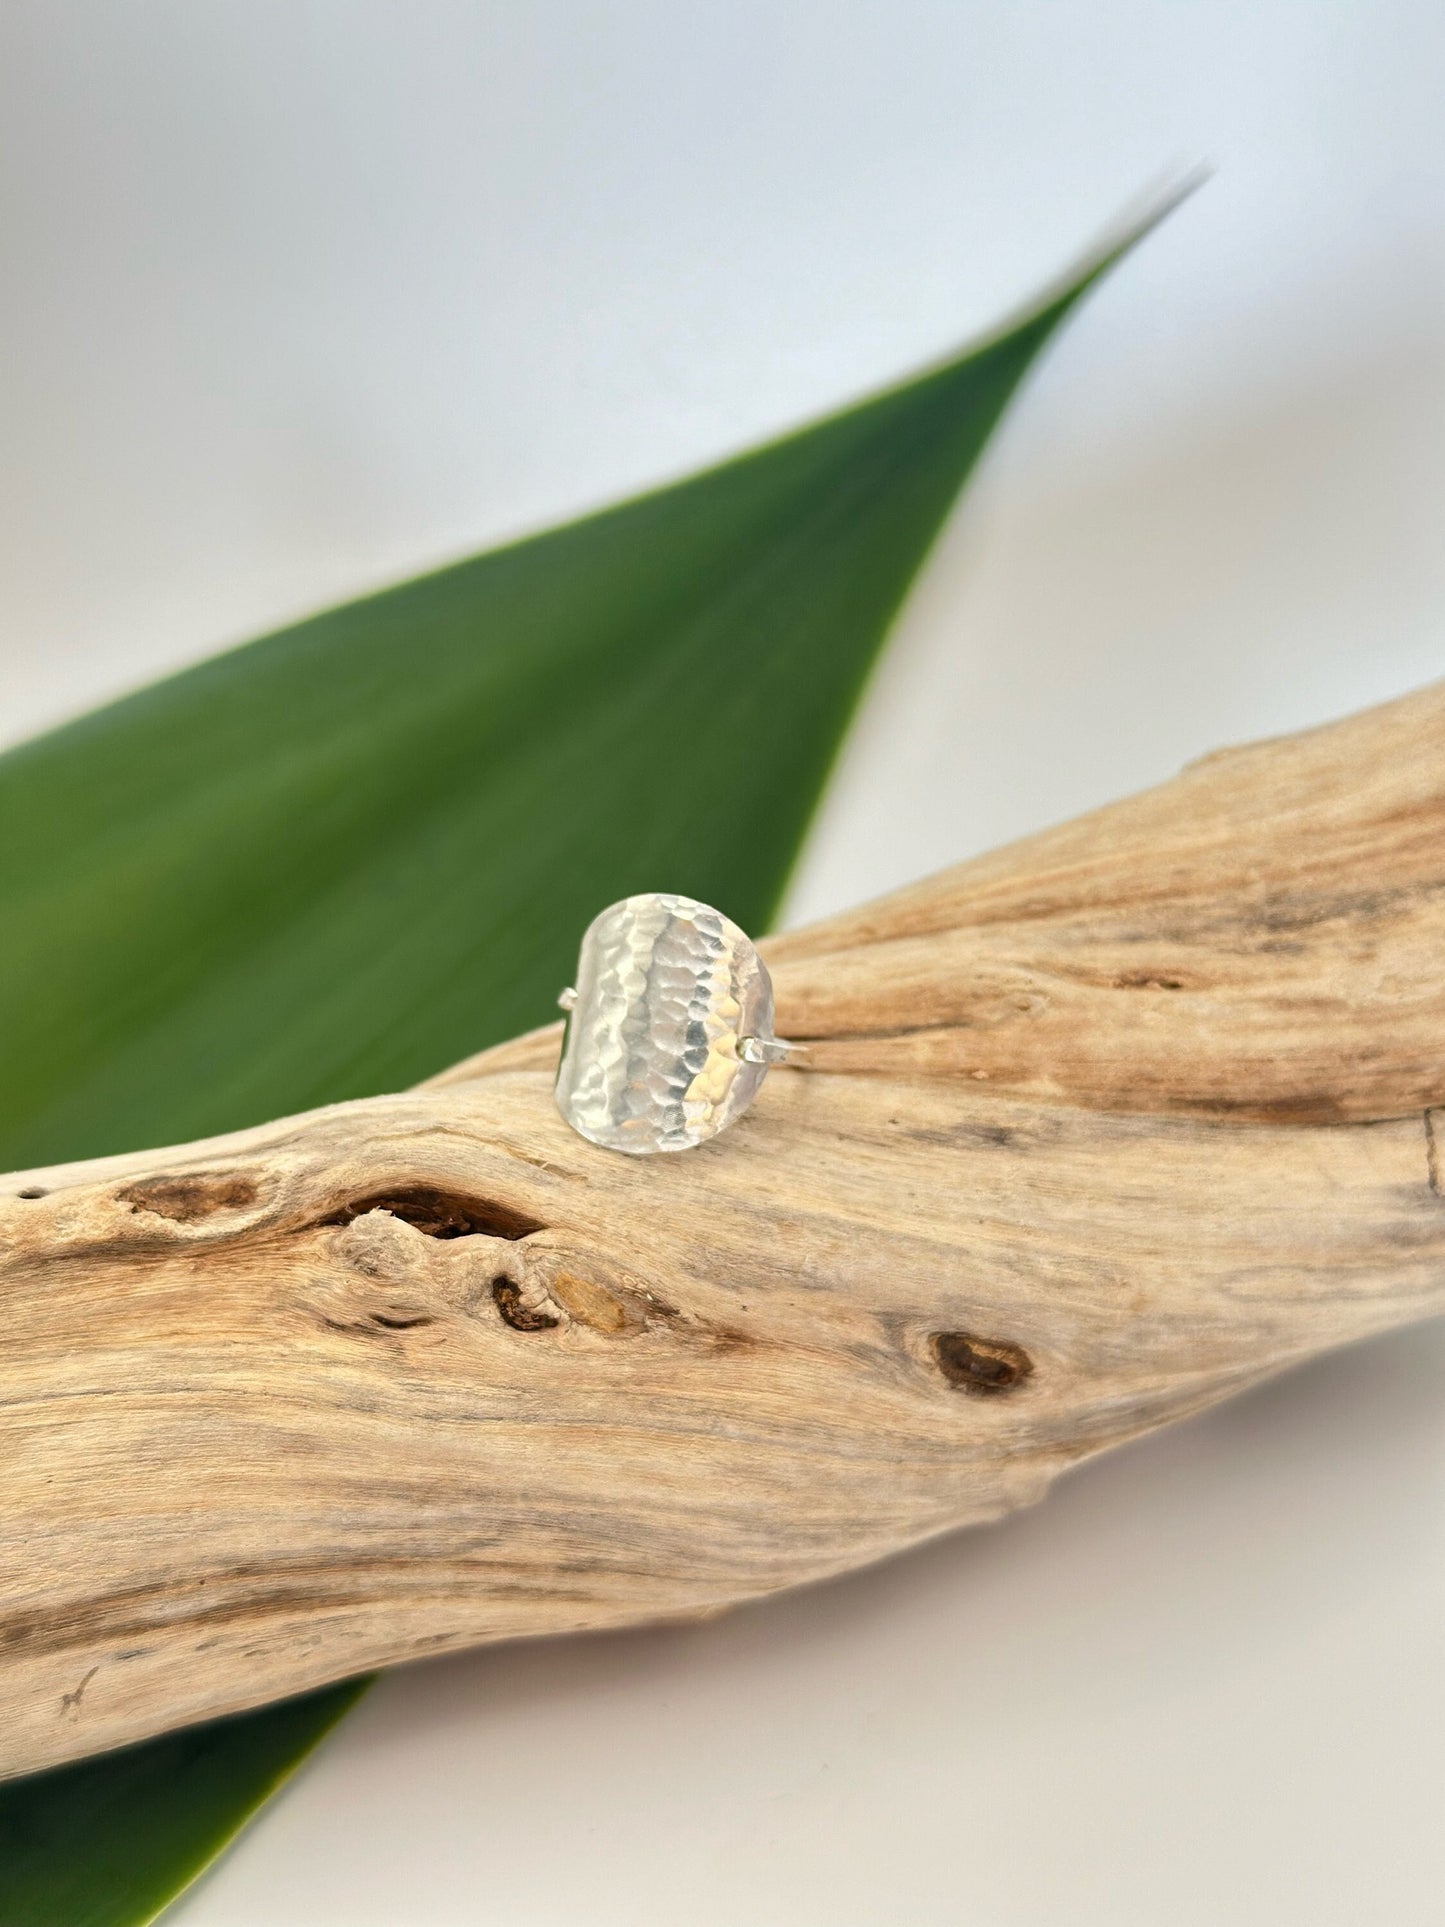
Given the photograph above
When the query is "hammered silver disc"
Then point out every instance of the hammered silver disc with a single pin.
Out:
(666, 989)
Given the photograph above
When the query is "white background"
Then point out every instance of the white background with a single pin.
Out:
(298, 297)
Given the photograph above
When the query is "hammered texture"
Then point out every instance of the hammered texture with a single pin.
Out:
(665, 989)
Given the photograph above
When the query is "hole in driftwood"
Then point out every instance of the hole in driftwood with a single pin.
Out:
(32, 1191)
(443, 1214)
(522, 1318)
(988, 1365)
(185, 1199)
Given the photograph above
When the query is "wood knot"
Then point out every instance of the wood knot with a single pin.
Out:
(550, 1288)
(187, 1199)
(980, 1365)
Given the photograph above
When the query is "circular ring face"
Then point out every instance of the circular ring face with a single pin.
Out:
(667, 989)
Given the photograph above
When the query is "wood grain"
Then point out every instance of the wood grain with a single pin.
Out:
(1095, 1130)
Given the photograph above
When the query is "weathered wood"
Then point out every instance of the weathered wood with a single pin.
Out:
(1095, 1131)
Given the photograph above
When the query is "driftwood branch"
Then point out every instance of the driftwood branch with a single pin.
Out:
(1096, 1130)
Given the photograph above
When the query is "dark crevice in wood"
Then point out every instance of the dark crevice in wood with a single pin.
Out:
(1433, 1174)
(507, 1297)
(443, 1214)
(373, 1323)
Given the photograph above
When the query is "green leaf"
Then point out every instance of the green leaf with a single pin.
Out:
(109, 1842)
(335, 860)
(330, 862)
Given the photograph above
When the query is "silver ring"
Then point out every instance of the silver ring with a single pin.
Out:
(669, 1027)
